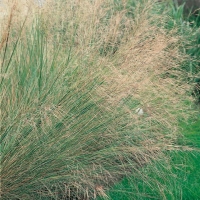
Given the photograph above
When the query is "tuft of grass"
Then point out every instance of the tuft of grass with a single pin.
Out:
(52, 129)
(68, 74)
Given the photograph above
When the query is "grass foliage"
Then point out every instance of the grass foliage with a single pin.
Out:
(72, 75)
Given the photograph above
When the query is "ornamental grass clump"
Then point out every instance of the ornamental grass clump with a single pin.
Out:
(72, 75)
(52, 129)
